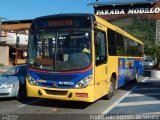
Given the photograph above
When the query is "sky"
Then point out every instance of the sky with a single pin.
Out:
(30, 9)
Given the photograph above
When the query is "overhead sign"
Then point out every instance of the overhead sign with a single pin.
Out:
(129, 11)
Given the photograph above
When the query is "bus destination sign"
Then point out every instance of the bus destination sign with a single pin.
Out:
(60, 23)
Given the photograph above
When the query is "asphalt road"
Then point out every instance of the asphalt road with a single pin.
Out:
(129, 100)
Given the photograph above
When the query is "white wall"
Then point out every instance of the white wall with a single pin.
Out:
(4, 55)
(12, 37)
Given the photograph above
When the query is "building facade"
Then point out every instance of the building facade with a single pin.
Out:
(13, 41)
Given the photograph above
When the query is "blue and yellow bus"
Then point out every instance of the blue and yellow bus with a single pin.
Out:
(80, 57)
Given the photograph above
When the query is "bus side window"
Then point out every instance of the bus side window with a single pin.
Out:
(100, 47)
(111, 42)
(120, 45)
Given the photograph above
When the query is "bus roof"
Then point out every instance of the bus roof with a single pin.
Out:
(65, 15)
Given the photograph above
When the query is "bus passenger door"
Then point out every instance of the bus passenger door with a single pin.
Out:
(100, 64)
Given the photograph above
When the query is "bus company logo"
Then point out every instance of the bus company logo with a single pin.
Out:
(66, 83)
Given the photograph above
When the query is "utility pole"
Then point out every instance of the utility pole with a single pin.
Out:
(158, 32)
(0, 28)
(0, 25)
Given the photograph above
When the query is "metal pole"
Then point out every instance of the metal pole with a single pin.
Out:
(0, 26)
(158, 32)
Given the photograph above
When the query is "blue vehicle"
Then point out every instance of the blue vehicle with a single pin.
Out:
(12, 82)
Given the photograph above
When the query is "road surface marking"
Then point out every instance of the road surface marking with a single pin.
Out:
(152, 113)
(137, 103)
(114, 104)
(144, 94)
(151, 80)
(35, 101)
(138, 89)
(145, 79)
(54, 109)
(118, 101)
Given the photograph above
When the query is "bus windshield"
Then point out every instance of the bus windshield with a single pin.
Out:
(59, 51)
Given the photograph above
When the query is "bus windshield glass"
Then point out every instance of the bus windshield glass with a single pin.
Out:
(59, 51)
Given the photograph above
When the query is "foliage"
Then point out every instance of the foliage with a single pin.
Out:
(139, 27)
(1, 64)
(147, 28)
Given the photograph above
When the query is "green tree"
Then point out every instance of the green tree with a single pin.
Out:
(1, 64)
(141, 28)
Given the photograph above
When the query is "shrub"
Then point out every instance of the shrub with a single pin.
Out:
(1, 64)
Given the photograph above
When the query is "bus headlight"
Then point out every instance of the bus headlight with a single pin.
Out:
(31, 80)
(84, 82)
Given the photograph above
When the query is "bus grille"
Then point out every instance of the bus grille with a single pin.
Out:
(55, 92)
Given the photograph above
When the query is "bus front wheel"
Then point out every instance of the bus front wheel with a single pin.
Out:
(136, 76)
(111, 89)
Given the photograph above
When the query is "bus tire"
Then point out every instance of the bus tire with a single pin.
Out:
(136, 76)
(111, 89)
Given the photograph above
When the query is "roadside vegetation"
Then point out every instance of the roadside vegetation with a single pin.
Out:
(1, 65)
(141, 28)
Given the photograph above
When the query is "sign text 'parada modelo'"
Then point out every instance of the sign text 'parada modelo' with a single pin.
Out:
(129, 11)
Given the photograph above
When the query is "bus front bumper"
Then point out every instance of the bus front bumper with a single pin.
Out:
(85, 94)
